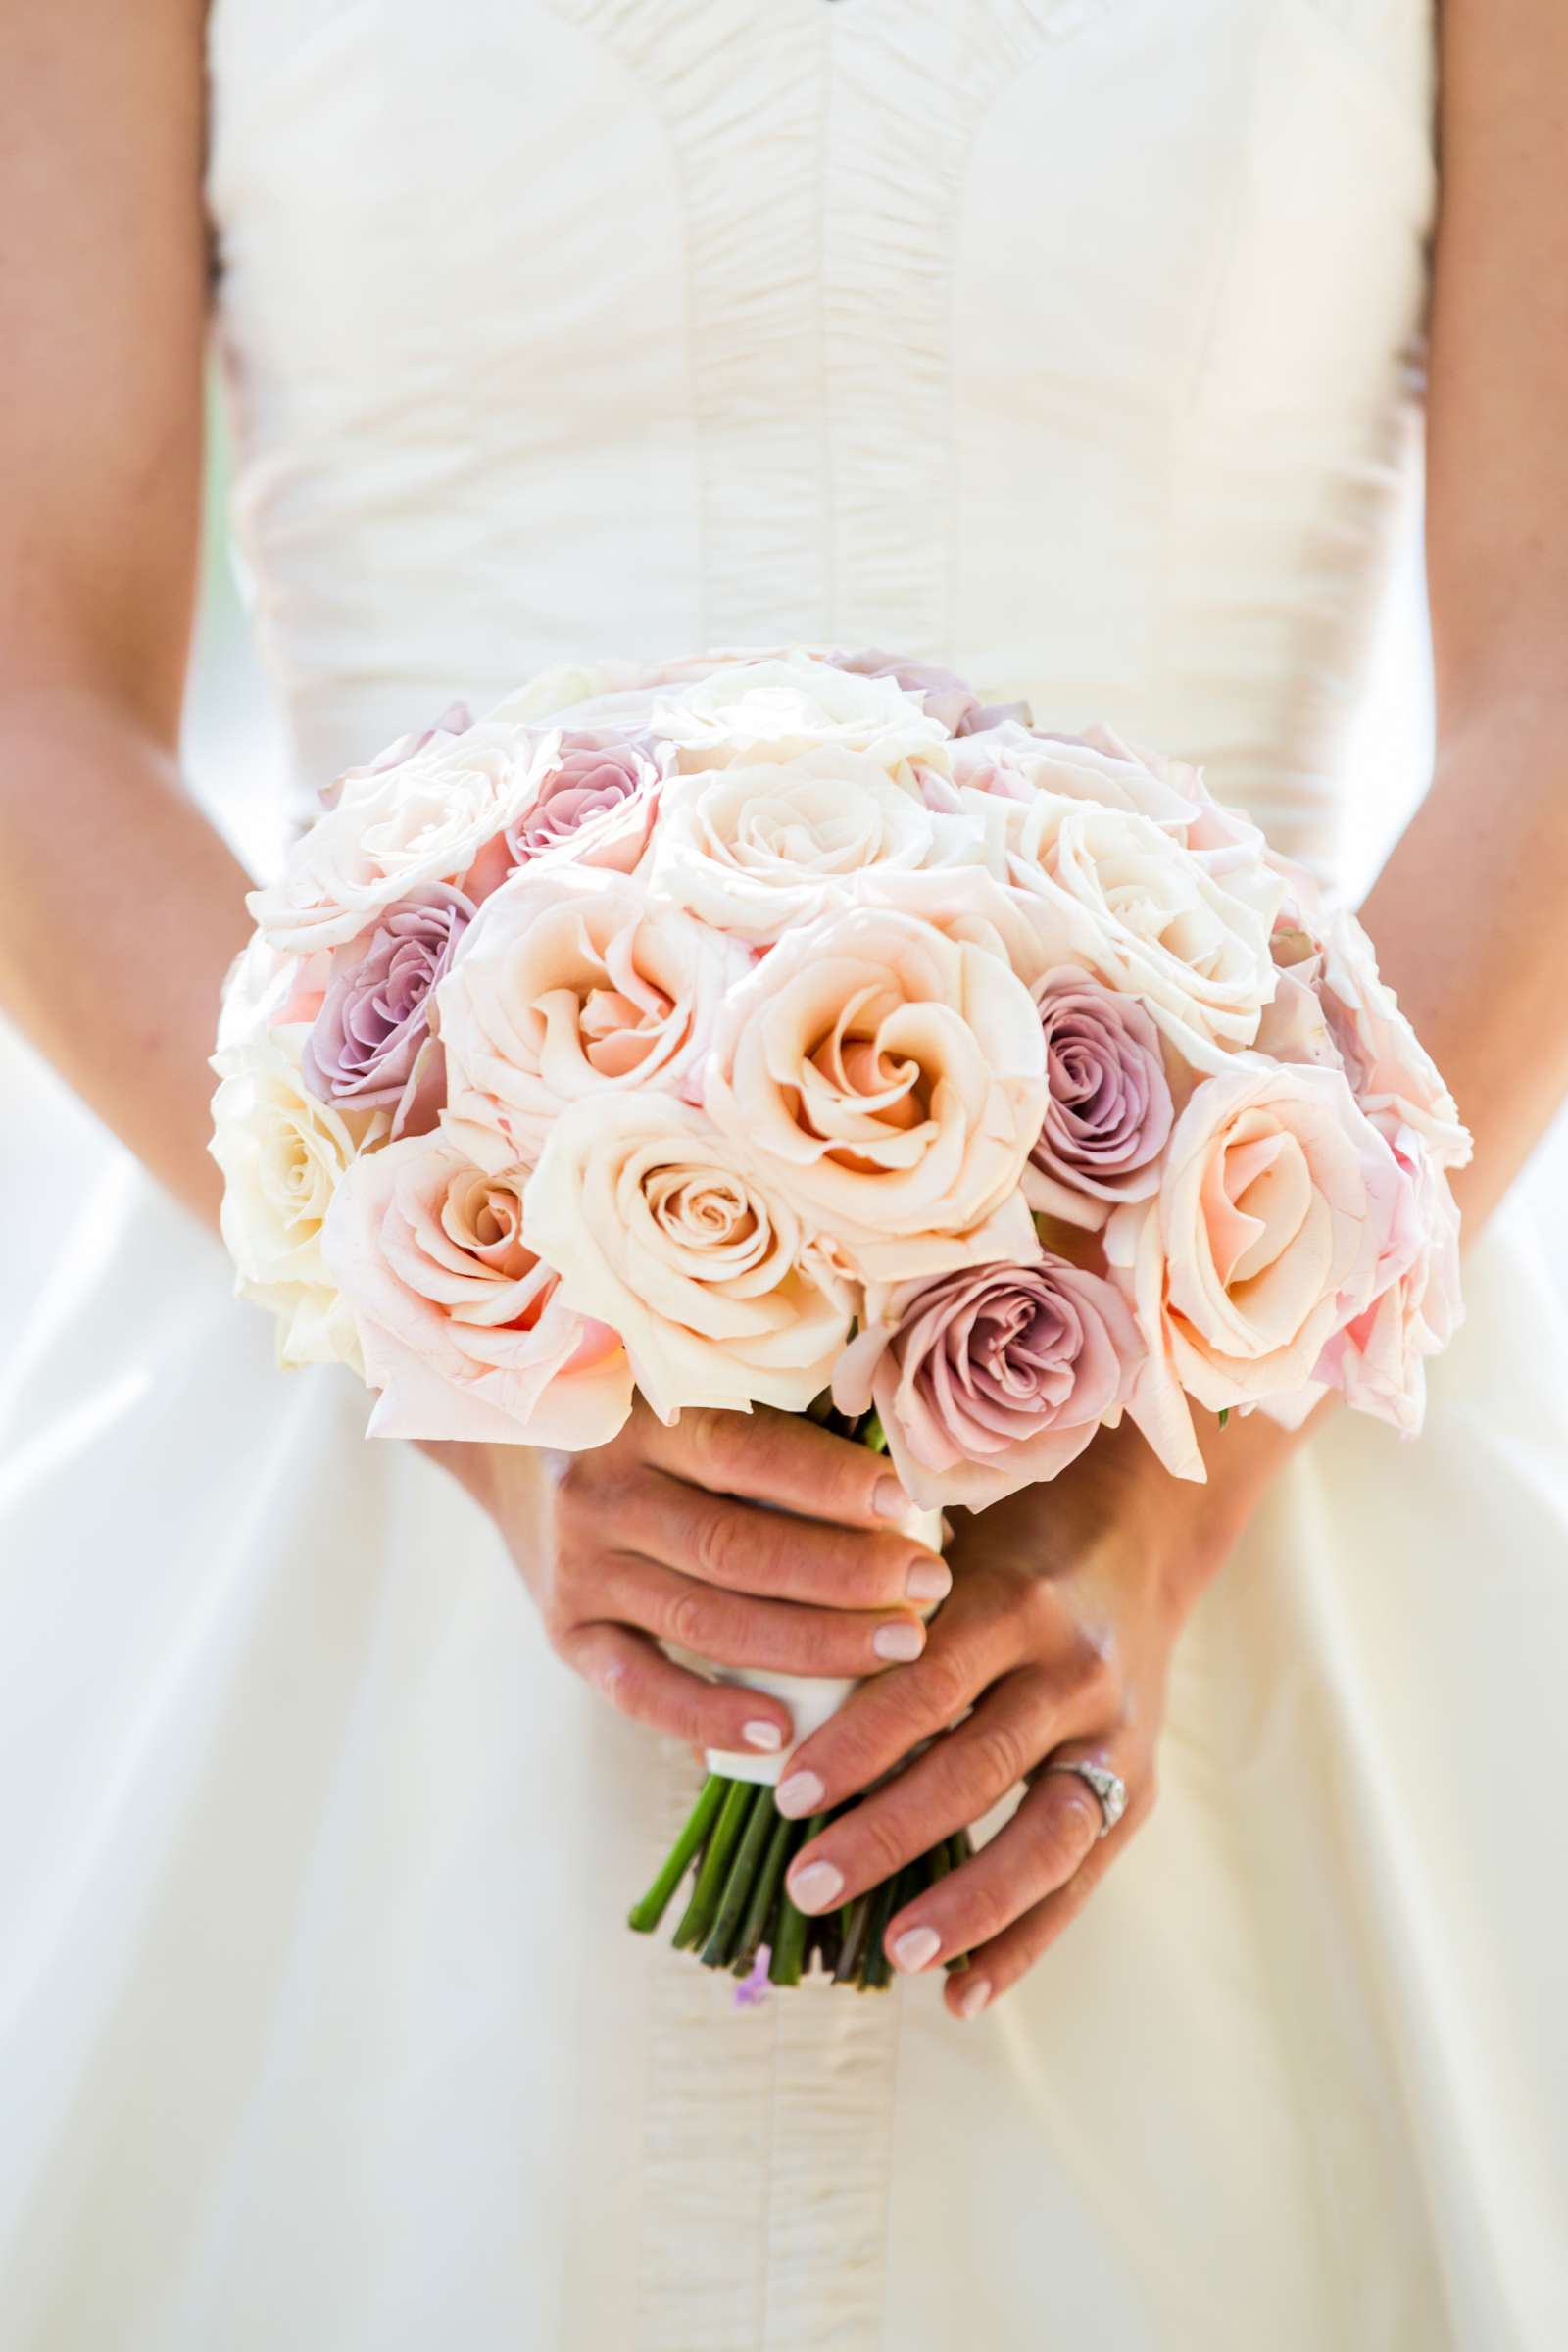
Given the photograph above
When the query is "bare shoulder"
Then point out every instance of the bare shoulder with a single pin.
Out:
(103, 259)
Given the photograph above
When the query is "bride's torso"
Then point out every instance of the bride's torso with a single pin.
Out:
(1073, 343)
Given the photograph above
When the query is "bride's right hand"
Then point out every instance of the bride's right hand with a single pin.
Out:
(751, 1540)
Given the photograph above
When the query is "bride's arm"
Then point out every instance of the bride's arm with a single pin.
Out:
(1068, 1601)
(124, 906)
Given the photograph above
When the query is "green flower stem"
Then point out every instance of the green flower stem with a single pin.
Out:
(738, 1884)
(697, 1921)
(769, 1879)
(876, 1974)
(856, 1918)
(789, 1952)
(644, 1916)
(872, 1435)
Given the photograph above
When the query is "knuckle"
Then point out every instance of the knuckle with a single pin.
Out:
(1072, 1823)
(709, 1437)
(945, 1686)
(715, 1546)
(881, 1847)
(999, 1755)
(986, 1912)
(688, 1619)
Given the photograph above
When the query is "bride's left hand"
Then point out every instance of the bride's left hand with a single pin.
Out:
(1067, 1600)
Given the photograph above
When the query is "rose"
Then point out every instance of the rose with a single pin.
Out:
(1108, 1109)
(1117, 894)
(595, 795)
(455, 719)
(284, 1154)
(1275, 1207)
(371, 1045)
(1378, 1359)
(891, 1081)
(571, 981)
(424, 821)
(754, 851)
(991, 1377)
(775, 709)
(463, 1329)
(1396, 1081)
(661, 1227)
(945, 696)
(1016, 763)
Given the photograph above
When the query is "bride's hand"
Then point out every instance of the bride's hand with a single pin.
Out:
(751, 1539)
(1065, 1605)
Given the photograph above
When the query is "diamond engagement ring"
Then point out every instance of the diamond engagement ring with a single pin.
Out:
(1107, 1785)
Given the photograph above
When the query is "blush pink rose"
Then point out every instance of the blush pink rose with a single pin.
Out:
(574, 981)
(1015, 762)
(463, 1330)
(1378, 1359)
(892, 1082)
(596, 796)
(1273, 1215)
(1108, 1104)
(945, 696)
(369, 1044)
(666, 1229)
(991, 1377)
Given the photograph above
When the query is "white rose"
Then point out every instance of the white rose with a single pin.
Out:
(659, 1226)
(424, 821)
(775, 709)
(282, 1154)
(1186, 935)
(756, 851)
(574, 981)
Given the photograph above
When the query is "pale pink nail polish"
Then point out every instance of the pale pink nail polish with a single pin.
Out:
(800, 1795)
(974, 1998)
(816, 1888)
(929, 1580)
(899, 1642)
(915, 1947)
(889, 1501)
(766, 1736)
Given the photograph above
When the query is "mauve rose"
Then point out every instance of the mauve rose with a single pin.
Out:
(597, 794)
(367, 1044)
(948, 696)
(992, 1378)
(1108, 1109)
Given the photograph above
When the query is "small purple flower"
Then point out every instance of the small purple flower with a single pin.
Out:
(594, 775)
(752, 1991)
(1108, 1108)
(366, 1048)
(948, 698)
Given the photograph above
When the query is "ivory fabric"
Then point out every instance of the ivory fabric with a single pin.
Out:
(1075, 344)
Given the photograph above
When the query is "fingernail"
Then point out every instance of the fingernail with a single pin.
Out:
(901, 1641)
(889, 1501)
(801, 1793)
(766, 1736)
(974, 1998)
(929, 1580)
(816, 1888)
(915, 1947)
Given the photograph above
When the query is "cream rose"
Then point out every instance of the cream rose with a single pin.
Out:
(893, 1080)
(661, 1227)
(775, 709)
(570, 982)
(462, 1328)
(1016, 763)
(424, 820)
(283, 1154)
(1117, 894)
(756, 851)
(1265, 1238)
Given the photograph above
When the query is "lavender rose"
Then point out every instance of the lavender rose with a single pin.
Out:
(948, 696)
(371, 1045)
(992, 1378)
(598, 795)
(1109, 1111)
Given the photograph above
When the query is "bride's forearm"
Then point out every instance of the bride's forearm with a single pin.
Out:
(125, 909)
(1470, 921)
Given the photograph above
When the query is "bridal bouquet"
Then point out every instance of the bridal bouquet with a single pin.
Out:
(791, 1028)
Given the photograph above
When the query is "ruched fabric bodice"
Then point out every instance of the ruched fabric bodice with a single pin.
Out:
(1071, 342)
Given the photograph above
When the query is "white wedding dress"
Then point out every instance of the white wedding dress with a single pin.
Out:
(1075, 344)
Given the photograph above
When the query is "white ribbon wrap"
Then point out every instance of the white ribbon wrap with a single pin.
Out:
(813, 1699)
